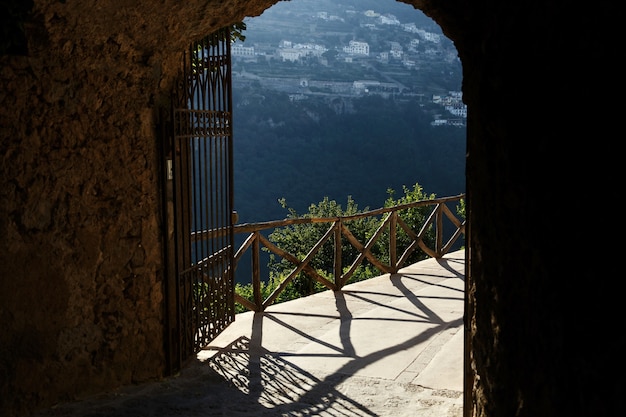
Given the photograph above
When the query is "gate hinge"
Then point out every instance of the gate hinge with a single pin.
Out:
(170, 170)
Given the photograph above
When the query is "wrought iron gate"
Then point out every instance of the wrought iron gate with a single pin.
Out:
(199, 200)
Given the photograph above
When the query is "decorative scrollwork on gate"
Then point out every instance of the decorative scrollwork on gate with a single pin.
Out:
(201, 183)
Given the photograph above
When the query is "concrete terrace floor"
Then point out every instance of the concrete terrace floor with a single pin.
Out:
(388, 346)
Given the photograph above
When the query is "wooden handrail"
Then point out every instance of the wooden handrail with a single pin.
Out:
(334, 233)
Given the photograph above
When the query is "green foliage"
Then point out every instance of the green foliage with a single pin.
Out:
(226, 34)
(363, 272)
(244, 291)
(289, 293)
(410, 196)
(460, 208)
(299, 239)
(236, 32)
(232, 32)
(414, 217)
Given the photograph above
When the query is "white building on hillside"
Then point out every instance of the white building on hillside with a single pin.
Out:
(429, 36)
(290, 54)
(289, 51)
(242, 51)
(357, 48)
(388, 19)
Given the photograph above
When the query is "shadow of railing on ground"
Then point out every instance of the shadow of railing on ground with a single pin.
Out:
(272, 381)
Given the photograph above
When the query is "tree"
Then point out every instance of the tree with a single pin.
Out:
(414, 217)
(298, 239)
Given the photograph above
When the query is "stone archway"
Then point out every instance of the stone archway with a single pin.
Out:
(80, 236)
(82, 240)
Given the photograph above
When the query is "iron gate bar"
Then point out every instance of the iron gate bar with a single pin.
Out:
(202, 171)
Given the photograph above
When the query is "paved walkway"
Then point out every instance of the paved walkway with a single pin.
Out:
(388, 346)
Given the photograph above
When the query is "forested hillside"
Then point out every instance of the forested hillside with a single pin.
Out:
(303, 133)
(304, 151)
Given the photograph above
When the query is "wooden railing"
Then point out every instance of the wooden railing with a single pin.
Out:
(390, 225)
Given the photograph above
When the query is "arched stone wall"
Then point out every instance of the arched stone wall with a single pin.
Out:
(81, 261)
(80, 225)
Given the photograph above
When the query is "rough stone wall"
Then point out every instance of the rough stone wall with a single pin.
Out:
(538, 80)
(81, 263)
(80, 240)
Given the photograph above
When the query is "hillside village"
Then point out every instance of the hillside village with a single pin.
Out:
(349, 53)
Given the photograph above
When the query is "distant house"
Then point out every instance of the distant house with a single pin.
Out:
(396, 50)
(448, 122)
(290, 54)
(357, 48)
(242, 51)
(375, 87)
(410, 27)
(360, 87)
(289, 51)
(388, 19)
(409, 63)
(453, 103)
(457, 109)
(429, 36)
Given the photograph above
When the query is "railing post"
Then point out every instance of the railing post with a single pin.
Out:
(439, 230)
(338, 267)
(393, 261)
(256, 272)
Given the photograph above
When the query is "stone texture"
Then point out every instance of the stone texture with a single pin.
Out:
(81, 256)
(81, 265)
